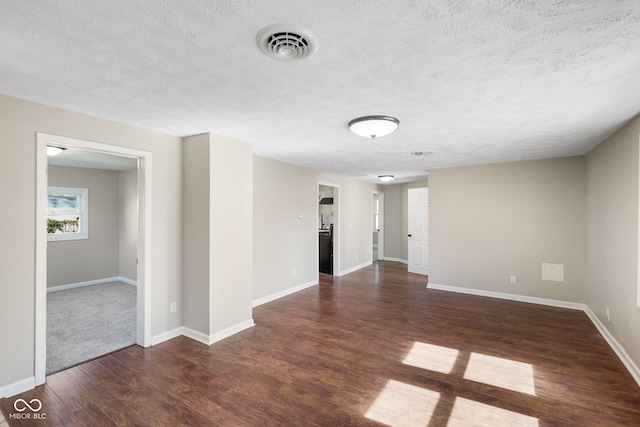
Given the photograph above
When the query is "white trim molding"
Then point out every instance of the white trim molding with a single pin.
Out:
(199, 336)
(281, 294)
(143, 327)
(511, 297)
(355, 268)
(232, 330)
(613, 343)
(92, 282)
(127, 281)
(169, 335)
(17, 387)
(403, 261)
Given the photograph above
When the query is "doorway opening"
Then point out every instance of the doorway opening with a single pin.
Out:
(328, 228)
(140, 183)
(377, 220)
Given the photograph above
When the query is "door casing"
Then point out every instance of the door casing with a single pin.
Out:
(143, 327)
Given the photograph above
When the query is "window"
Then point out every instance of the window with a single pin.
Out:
(67, 213)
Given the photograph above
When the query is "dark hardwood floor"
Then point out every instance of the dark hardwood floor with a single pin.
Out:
(371, 348)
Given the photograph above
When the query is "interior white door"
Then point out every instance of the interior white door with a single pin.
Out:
(418, 229)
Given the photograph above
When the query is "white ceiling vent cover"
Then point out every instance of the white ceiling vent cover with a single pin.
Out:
(286, 42)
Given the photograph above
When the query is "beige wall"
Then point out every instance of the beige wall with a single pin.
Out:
(612, 235)
(75, 261)
(283, 243)
(218, 233)
(128, 230)
(231, 225)
(393, 222)
(195, 302)
(111, 249)
(487, 223)
(19, 122)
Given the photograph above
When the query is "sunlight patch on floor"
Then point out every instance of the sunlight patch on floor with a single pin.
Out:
(468, 413)
(400, 405)
(499, 372)
(431, 357)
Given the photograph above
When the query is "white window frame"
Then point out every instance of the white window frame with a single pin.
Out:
(83, 199)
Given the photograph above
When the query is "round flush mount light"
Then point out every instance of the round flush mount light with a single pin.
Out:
(373, 126)
(54, 151)
(386, 178)
(286, 42)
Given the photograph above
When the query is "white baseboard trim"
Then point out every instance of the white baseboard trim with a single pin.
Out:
(166, 336)
(92, 282)
(195, 335)
(278, 295)
(511, 297)
(355, 268)
(613, 343)
(403, 261)
(127, 281)
(199, 336)
(226, 333)
(18, 387)
(218, 336)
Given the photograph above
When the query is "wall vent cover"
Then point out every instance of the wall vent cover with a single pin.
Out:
(553, 272)
(286, 42)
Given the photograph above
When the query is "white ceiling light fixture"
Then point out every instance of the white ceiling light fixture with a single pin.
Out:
(373, 126)
(386, 178)
(286, 42)
(54, 151)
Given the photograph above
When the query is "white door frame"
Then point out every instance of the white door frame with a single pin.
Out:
(336, 226)
(380, 195)
(143, 327)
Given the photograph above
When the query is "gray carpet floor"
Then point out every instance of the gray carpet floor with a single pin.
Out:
(87, 322)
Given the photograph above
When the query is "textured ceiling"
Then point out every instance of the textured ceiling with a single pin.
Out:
(474, 82)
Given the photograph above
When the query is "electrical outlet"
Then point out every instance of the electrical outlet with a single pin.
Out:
(173, 307)
(295, 272)
(608, 315)
(512, 279)
(356, 256)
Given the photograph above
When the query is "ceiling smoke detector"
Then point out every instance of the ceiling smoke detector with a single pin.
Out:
(422, 153)
(286, 42)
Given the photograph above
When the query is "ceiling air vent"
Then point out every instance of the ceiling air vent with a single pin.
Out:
(286, 42)
(422, 153)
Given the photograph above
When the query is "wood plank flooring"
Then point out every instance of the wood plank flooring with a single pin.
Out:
(371, 348)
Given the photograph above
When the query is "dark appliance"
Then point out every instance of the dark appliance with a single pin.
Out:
(326, 252)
